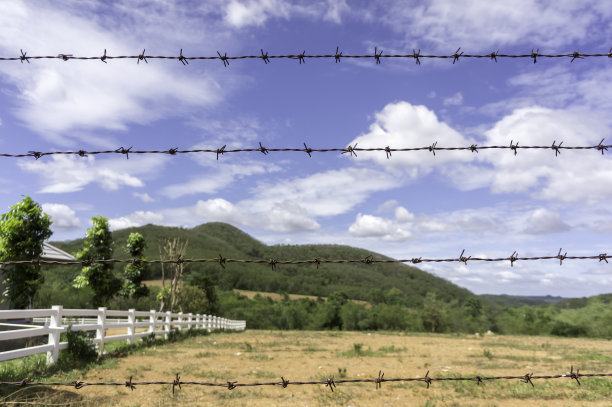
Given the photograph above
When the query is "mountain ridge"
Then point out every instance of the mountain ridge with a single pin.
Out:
(368, 282)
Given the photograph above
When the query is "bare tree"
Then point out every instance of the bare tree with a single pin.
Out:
(173, 249)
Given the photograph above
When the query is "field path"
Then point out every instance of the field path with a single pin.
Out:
(263, 356)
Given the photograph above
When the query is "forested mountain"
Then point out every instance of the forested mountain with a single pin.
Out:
(370, 282)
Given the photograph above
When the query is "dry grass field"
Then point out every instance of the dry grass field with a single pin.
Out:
(255, 356)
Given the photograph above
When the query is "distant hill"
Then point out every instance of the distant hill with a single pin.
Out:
(504, 300)
(359, 281)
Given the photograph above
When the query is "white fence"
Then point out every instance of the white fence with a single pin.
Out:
(57, 319)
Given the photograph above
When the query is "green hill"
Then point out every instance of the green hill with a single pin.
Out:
(359, 281)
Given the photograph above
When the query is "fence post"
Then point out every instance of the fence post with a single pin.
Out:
(168, 324)
(180, 320)
(152, 321)
(189, 321)
(197, 322)
(55, 321)
(208, 317)
(101, 331)
(131, 329)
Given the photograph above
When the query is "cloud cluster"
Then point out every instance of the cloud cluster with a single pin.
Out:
(138, 218)
(404, 125)
(246, 13)
(487, 25)
(65, 174)
(535, 172)
(63, 217)
(63, 102)
(481, 222)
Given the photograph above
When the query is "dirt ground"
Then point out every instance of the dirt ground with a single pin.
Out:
(265, 356)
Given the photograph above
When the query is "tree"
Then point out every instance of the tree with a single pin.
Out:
(98, 245)
(173, 250)
(204, 282)
(22, 232)
(434, 313)
(134, 272)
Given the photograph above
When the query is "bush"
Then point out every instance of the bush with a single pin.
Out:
(80, 349)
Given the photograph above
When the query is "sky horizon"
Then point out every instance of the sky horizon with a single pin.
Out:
(410, 204)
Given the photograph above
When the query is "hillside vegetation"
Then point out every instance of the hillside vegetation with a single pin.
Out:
(398, 296)
(359, 281)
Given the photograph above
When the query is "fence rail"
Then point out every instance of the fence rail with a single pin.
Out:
(57, 320)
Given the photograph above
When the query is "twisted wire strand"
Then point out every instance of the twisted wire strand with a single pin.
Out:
(301, 57)
(351, 150)
(222, 261)
(330, 382)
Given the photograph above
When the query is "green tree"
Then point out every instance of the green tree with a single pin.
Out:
(22, 232)
(473, 307)
(133, 273)
(434, 313)
(98, 245)
(203, 281)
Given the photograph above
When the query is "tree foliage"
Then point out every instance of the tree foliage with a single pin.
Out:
(22, 232)
(133, 272)
(98, 245)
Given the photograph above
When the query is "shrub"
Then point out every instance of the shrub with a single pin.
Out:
(80, 349)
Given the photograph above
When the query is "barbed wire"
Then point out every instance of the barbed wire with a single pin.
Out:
(222, 261)
(301, 57)
(330, 382)
(351, 150)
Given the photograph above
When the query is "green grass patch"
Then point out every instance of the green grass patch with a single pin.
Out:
(359, 351)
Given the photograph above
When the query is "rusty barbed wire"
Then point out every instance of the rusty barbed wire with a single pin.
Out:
(273, 263)
(330, 382)
(350, 150)
(301, 57)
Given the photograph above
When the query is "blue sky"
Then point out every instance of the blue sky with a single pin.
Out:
(410, 205)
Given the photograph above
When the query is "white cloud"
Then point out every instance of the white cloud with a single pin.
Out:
(254, 12)
(63, 174)
(374, 226)
(64, 218)
(487, 25)
(143, 196)
(350, 187)
(455, 100)
(289, 216)
(285, 217)
(335, 10)
(61, 100)
(403, 125)
(402, 215)
(245, 13)
(542, 221)
(138, 218)
(503, 219)
(539, 173)
(215, 180)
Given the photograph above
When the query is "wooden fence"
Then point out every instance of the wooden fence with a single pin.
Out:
(57, 320)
